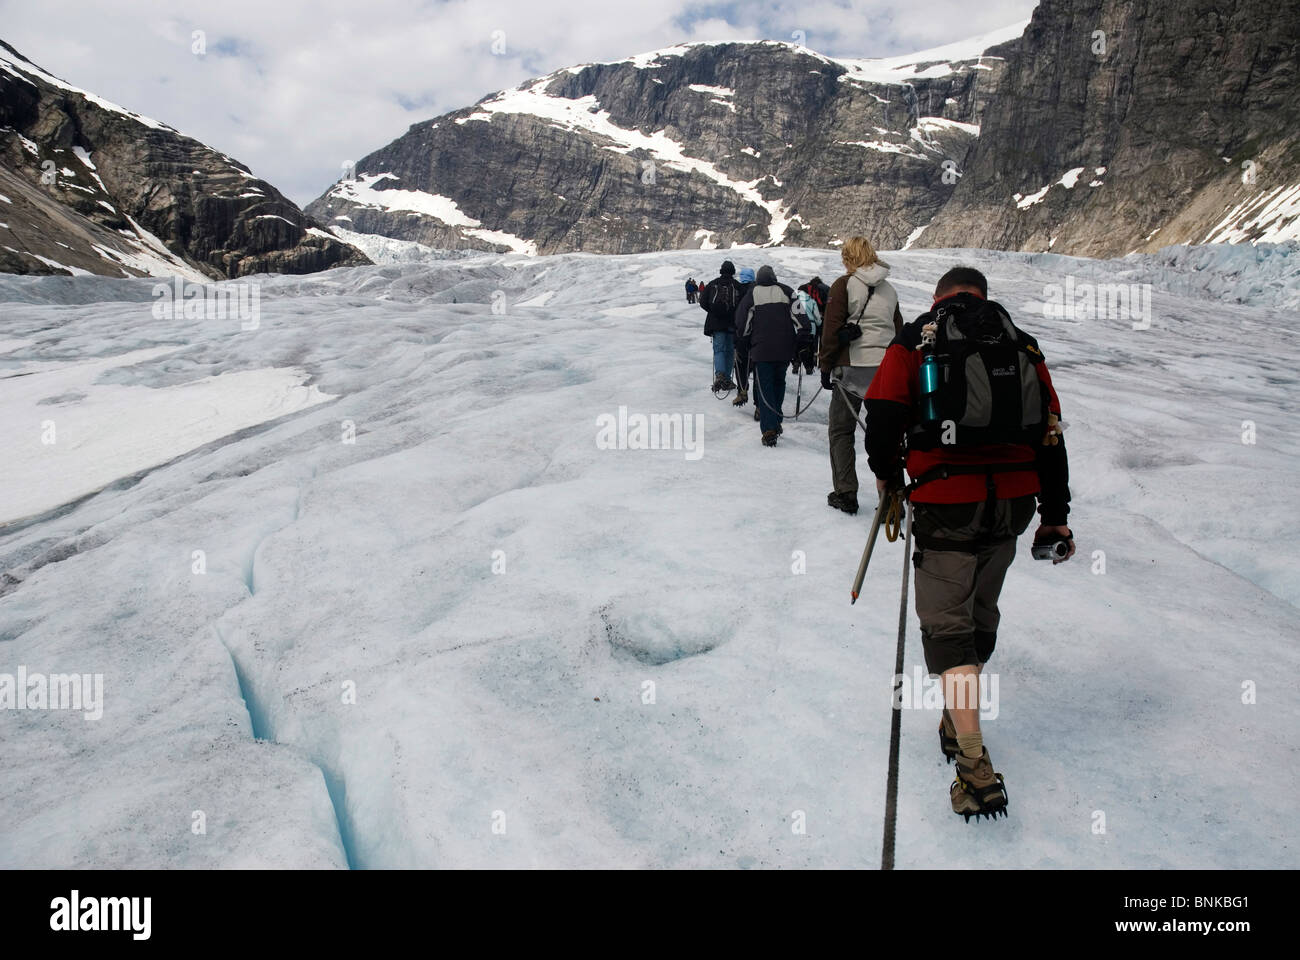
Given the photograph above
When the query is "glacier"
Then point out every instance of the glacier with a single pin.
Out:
(369, 594)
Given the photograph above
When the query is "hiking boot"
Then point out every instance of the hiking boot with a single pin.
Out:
(843, 501)
(742, 398)
(756, 412)
(769, 438)
(718, 380)
(780, 429)
(948, 737)
(977, 791)
(728, 383)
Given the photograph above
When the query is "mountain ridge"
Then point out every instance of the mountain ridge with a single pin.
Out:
(1030, 139)
(88, 186)
(595, 156)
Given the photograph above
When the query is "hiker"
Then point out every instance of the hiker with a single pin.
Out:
(719, 299)
(744, 371)
(810, 300)
(691, 288)
(974, 485)
(861, 318)
(768, 327)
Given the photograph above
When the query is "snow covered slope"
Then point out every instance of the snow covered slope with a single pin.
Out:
(415, 624)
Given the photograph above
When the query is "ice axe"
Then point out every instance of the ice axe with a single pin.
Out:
(871, 545)
(888, 511)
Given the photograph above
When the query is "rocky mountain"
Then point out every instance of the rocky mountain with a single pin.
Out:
(1124, 125)
(706, 144)
(1098, 128)
(87, 186)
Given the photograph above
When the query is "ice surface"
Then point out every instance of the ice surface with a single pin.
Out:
(518, 699)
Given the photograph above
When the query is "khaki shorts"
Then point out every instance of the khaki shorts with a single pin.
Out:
(960, 567)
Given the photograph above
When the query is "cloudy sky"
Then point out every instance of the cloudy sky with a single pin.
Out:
(296, 88)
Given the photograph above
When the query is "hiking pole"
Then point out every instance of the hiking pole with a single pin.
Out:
(895, 722)
(798, 392)
(871, 545)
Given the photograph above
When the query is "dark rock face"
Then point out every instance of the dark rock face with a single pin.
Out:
(1179, 104)
(751, 142)
(93, 187)
(1177, 123)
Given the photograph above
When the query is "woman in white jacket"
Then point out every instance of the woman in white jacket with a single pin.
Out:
(862, 317)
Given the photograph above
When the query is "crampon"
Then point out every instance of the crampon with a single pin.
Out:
(978, 791)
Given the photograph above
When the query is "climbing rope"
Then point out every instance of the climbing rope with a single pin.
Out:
(781, 413)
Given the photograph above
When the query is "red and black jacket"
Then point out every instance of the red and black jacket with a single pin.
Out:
(891, 406)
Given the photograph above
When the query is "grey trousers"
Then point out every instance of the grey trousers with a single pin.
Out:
(842, 427)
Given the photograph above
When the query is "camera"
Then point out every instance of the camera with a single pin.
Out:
(848, 333)
(1057, 549)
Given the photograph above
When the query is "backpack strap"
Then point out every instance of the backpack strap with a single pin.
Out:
(870, 290)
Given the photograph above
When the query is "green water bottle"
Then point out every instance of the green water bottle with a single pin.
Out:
(930, 377)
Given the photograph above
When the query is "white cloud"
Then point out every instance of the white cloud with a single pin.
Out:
(294, 89)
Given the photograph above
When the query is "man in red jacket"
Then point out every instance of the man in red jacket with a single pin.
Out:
(979, 455)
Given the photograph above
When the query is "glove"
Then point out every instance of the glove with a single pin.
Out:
(826, 380)
(892, 483)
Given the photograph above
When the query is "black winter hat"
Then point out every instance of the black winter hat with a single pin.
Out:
(727, 269)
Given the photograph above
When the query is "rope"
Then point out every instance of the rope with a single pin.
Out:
(781, 413)
(895, 722)
(844, 390)
(894, 516)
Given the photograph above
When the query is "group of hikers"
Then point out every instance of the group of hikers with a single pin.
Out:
(960, 399)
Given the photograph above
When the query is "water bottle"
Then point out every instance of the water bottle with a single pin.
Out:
(930, 378)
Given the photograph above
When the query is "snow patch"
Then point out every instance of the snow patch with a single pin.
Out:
(1071, 178)
(931, 124)
(885, 146)
(715, 91)
(914, 236)
(1270, 216)
(941, 61)
(585, 114)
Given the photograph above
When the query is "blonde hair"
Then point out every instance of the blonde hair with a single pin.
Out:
(858, 252)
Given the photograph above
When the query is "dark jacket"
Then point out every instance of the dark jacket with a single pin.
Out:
(764, 319)
(719, 298)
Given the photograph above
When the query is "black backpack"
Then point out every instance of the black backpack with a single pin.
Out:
(725, 301)
(989, 391)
